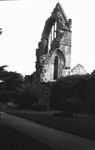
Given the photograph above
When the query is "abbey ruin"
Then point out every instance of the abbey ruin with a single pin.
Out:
(53, 56)
(54, 49)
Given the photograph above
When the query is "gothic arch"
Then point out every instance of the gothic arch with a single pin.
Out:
(58, 61)
(50, 33)
(49, 23)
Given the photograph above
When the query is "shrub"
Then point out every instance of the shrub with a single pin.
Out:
(27, 99)
(4, 96)
(65, 90)
(73, 105)
(42, 91)
(89, 95)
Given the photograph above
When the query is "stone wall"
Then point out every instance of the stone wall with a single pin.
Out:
(55, 41)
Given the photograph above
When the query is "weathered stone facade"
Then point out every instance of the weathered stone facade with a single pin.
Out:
(77, 70)
(54, 50)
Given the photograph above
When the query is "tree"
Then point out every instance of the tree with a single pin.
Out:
(11, 84)
(3, 72)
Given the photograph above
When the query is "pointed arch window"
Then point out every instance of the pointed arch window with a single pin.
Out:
(56, 67)
(52, 35)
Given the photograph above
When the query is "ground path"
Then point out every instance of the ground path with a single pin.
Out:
(14, 140)
(52, 137)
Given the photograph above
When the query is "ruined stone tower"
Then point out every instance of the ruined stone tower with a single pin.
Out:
(54, 50)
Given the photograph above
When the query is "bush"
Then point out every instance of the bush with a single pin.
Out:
(68, 93)
(27, 99)
(73, 105)
(63, 89)
(42, 91)
(4, 96)
(89, 95)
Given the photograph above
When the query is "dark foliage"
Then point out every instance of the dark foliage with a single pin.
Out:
(42, 91)
(89, 94)
(27, 99)
(10, 86)
(73, 94)
(67, 93)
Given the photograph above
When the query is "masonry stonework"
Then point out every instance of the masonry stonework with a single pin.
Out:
(53, 56)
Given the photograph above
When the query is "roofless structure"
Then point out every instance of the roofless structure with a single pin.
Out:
(53, 56)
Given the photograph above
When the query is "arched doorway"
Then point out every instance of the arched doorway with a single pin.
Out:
(58, 64)
(56, 67)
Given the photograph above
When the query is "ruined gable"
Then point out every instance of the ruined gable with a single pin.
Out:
(78, 69)
(54, 50)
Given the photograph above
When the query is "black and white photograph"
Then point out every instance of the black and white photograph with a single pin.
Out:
(47, 75)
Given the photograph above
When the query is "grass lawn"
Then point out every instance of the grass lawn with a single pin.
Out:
(82, 126)
(15, 140)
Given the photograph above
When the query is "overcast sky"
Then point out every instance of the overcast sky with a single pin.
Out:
(23, 22)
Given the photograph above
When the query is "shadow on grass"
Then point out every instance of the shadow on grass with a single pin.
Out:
(14, 140)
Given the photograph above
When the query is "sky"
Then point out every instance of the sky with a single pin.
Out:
(23, 22)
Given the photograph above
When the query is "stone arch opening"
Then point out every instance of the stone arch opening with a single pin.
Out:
(50, 32)
(56, 67)
(59, 63)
